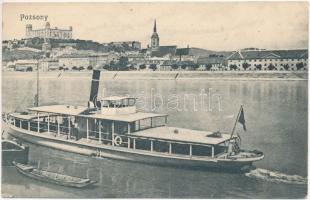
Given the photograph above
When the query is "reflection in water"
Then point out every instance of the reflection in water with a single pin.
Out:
(276, 117)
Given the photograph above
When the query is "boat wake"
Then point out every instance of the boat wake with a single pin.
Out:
(275, 176)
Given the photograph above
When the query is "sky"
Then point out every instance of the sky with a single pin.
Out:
(209, 25)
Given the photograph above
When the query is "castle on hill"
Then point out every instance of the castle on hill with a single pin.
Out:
(48, 32)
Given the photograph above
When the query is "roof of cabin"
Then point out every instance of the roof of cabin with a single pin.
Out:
(183, 135)
(125, 117)
(60, 109)
(77, 110)
(27, 116)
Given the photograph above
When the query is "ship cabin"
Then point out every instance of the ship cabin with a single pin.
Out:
(115, 122)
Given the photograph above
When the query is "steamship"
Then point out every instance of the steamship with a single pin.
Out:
(113, 128)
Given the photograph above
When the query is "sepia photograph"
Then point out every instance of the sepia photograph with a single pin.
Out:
(194, 100)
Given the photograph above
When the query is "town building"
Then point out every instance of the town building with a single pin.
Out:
(74, 61)
(268, 60)
(212, 63)
(185, 54)
(48, 32)
(26, 65)
(128, 44)
(49, 64)
(85, 61)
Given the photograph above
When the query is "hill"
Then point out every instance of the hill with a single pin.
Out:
(198, 52)
(79, 44)
(19, 54)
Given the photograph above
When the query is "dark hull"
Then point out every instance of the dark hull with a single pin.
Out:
(10, 155)
(140, 156)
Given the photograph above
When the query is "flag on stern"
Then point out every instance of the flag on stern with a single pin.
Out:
(241, 119)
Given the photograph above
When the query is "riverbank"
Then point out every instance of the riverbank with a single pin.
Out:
(171, 75)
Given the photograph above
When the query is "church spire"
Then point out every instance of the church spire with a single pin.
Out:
(154, 30)
(154, 37)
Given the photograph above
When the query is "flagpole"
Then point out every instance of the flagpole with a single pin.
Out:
(233, 130)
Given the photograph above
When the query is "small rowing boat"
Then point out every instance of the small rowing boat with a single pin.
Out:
(52, 177)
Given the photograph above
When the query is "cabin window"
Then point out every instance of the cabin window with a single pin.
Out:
(17, 122)
(199, 150)
(161, 146)
(218, 149)
(182, 149)
(158, 121)
(142, 144)
(144, 123)
(92, 129)
(121, 128)
(106, 126)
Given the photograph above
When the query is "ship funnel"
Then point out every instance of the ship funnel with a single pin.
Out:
(94, 87)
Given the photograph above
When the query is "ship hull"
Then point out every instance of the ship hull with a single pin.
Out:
(124, 154)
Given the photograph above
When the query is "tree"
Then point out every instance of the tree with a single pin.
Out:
(61, 68)
(271, 67)
(299, 65)
(153, 67)
(286, 66)
(112, 65)
(174, 66)
(208, 67)
(195, 66)
(142, 66)
(106, 67)
(89, 67)
(81, 68)
(123, 61)
(29, 69)
(233, 67)
(259, 67)
(132, 67)
(183, 66)
(245, 65)
(74, 68)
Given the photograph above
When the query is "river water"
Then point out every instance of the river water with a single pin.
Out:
(276, 120)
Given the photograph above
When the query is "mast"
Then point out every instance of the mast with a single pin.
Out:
(37, 96)
(233, 130)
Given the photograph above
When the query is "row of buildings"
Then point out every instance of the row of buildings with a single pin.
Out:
(156, 57)
(266, 60)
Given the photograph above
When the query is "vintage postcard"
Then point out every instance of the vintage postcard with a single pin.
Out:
(155, 100)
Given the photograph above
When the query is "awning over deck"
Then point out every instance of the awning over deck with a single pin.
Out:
(60, 109)
(182, 135)
(77, 110)
(24, 116)
(28, 116)
(125, 117)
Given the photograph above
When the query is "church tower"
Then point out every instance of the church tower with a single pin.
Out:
(154, 38)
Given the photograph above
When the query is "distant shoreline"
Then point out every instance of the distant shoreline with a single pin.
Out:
(171, 75)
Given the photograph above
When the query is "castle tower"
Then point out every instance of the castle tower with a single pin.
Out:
(155, 37)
